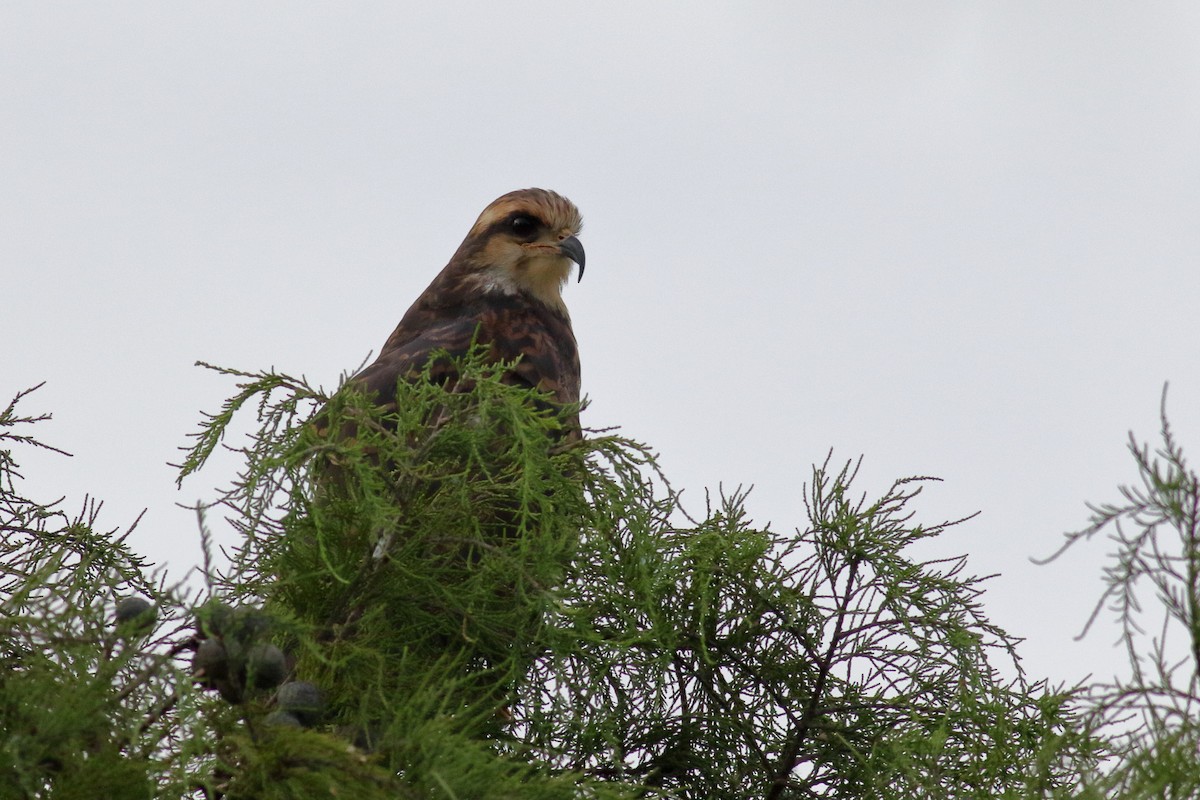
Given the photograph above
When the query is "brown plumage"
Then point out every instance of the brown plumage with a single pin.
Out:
(502, 288)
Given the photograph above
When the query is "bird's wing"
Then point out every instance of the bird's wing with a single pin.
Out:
(404, 361)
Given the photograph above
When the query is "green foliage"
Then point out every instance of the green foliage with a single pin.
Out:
(98, 702)
(66, 677)
(494, 610)
(474, 603)
(410, 556)
(1152, 716)
(712, 659)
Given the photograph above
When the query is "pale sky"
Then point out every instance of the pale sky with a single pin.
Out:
(960, 239)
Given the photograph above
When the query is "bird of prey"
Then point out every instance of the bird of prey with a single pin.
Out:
(502, 289)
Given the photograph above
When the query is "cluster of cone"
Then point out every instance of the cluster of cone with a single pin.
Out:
(235, 657)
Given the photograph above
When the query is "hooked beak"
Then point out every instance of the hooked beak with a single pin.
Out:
(572, 248)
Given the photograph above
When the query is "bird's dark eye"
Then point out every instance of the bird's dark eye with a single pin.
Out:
(523, 226)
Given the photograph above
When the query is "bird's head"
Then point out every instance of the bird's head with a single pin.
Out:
(525, 242)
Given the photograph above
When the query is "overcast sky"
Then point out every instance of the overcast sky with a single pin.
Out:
(960, 239)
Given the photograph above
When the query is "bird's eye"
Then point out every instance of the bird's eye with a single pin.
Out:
(523, 226)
